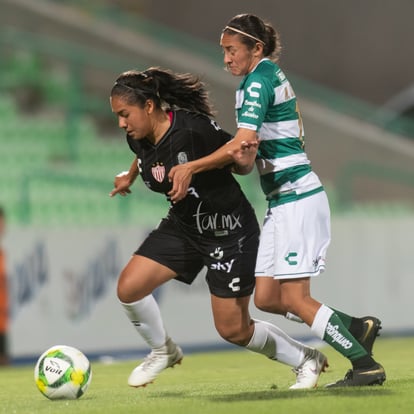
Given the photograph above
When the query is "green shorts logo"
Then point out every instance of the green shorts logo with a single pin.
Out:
(288, 258)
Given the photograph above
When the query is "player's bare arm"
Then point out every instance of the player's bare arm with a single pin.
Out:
(244, 157)
(181, 175)
(125, 179)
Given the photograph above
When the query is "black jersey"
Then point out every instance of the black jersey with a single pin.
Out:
(215, 203)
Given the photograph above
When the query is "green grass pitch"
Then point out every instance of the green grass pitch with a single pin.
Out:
(231, 382)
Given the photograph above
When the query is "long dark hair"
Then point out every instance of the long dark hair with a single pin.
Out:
(165, 88)
(253, 28)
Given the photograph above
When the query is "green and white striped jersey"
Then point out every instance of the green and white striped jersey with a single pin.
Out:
(266, 103)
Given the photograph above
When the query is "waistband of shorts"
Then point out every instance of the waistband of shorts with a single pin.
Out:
(291, 196)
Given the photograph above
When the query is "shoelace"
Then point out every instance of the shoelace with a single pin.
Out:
(299, 373)
(149, 360)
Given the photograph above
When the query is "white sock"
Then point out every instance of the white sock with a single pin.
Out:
(320, 321)
(293, 317)
(145, 315)
(271, 341)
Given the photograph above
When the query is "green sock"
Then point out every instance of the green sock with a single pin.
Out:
(353, 324)
(346, 319)
(339, 337)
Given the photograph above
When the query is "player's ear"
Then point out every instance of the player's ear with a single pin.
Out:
(149, 106)
(258, 49)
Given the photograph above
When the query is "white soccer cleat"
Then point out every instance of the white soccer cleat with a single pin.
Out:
(154, 363)
(307, 374)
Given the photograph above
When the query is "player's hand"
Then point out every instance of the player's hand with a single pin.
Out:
(244, 156)
(180, 176)
(122, 183)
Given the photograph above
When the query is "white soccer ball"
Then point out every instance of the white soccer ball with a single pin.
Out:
(62, 372)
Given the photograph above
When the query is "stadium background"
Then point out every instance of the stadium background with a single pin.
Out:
(60, 148)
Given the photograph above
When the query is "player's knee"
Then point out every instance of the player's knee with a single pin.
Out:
(288, 305)
(122, 292)
(270, 305)
(262, 304)
(234, 335)
(127, 289)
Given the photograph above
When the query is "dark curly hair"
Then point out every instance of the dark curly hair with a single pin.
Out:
(165, 88)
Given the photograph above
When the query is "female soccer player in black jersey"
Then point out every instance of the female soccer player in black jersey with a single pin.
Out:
(168, 121)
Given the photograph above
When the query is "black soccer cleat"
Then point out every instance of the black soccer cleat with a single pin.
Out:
(374, 375)
(372, 326)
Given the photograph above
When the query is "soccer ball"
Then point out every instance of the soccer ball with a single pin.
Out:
(62, 372)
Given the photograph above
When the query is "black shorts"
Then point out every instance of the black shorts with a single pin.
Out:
(230, 260)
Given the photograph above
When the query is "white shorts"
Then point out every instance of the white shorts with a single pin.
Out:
(295, 238)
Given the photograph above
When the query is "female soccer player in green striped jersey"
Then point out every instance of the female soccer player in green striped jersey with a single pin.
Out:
(296, 228)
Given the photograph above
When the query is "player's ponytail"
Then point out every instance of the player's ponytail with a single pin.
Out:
(165, 88)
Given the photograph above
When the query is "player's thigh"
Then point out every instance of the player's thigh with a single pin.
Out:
(169, 246)
(295, 290)
(140, 277)
(232, 318)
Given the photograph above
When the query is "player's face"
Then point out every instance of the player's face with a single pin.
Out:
(133, 119)
(238, 59)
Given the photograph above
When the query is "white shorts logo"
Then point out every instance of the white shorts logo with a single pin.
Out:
(232, 285)
(226, 267)
(217, 254)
